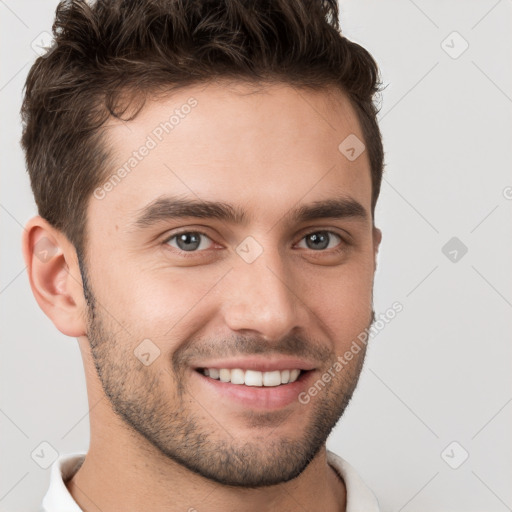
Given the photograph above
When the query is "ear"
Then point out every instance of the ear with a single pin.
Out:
(54, 275)
(377, 238)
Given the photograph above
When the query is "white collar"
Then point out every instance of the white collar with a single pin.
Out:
(58, 499)
(359, 496)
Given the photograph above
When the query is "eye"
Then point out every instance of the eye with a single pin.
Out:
(189, 241)
(321, 240)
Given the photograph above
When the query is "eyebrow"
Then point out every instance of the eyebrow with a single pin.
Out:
(169, 208)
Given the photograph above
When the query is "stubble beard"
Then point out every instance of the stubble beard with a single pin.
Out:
(192, 436)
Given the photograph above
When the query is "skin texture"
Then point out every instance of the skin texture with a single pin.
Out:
(159, 435)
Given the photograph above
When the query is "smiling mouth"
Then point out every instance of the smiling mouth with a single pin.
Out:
(252, 378)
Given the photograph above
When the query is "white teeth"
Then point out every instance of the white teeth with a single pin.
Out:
(237, 376)
(294, 375)
(253, 377)
(225, 375)
(272, 378)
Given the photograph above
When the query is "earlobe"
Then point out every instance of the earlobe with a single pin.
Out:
(54, 276)
(377, 238)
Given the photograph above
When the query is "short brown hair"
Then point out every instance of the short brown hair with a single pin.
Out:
(109, 55)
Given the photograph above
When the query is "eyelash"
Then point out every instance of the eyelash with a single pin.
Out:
(189, 254)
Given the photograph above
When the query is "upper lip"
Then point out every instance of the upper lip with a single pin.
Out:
(263, 364)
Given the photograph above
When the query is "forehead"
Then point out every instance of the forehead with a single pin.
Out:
(260, 148)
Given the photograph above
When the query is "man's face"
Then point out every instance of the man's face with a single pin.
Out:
(255, 298)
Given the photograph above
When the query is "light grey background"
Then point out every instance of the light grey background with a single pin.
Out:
(440, 372)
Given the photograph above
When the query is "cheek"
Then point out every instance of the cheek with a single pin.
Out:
(341, 299)
(159, 302)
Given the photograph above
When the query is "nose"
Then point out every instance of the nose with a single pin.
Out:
(261, 298)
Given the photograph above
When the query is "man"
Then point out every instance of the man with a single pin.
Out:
(206, 175)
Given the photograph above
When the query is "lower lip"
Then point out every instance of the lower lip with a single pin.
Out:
(263, 398)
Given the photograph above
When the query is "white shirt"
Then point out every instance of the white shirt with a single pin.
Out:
(58, 499)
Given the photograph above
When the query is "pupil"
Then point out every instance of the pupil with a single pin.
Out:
(188, 238)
